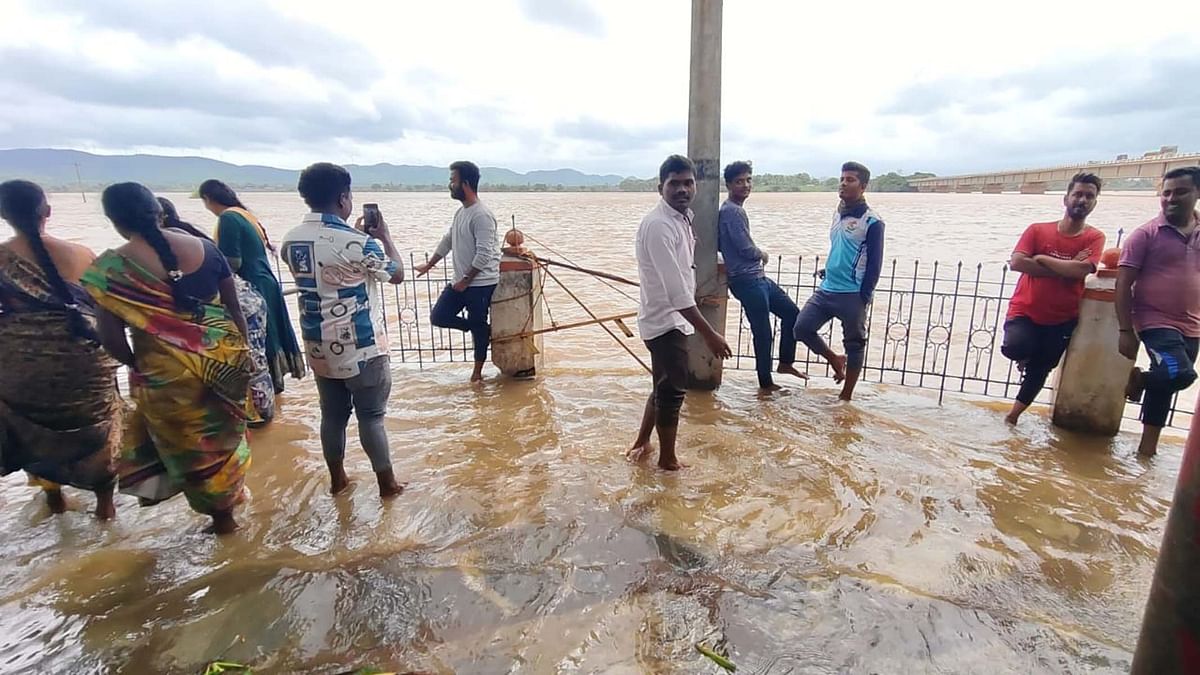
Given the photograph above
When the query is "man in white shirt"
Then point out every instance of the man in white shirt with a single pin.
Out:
(475, 255)
(667, 313)
(338, 269)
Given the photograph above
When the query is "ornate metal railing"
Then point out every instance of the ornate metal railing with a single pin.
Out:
(931, 325)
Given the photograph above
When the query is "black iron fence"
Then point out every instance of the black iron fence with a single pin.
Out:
(931, 325)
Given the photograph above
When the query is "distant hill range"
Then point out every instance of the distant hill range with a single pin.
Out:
(56, 170)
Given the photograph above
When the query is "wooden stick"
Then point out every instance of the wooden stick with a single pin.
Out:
(615, 318)
(593, 315)
(602, 275)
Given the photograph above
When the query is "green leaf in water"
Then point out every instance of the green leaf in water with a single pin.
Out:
(716, 658)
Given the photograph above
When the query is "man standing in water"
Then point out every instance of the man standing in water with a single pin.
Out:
(851, 272)
(337, 268)
(667, 312)
(1053, 259)
(760, 297)
(1158, 301)
(476, 264)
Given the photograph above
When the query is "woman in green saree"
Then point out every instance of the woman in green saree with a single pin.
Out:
(243, 240)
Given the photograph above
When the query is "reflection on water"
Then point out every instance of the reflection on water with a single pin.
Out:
(889, 535)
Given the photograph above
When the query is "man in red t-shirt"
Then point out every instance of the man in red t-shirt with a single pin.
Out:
(1053, 259)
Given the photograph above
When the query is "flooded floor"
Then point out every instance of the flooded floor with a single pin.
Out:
(885, 536)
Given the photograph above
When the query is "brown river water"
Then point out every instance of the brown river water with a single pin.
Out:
(890, 535)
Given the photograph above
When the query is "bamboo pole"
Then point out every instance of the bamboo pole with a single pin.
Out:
(602, 275)
(614, 318)
(593, 315)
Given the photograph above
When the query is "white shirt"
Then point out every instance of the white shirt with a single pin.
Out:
(338, 270)
(665, 253)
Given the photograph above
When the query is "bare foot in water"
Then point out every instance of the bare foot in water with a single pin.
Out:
(838, 363)
(338, 482)
(222, 524)
(672, 466)
(105, 509)
(388, 487)
(477, 374)
(770, 387)
(640, 453)
(790, 369)
(56, 501)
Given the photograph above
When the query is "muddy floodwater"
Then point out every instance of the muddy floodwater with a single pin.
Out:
(889, 535)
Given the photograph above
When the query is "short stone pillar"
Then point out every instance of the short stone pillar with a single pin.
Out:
(516, 313)
(1089, 393)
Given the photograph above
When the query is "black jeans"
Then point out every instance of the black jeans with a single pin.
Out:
(1037, 346)
(1172, 369)
(760, 298)
(669, 368)
(477, 300)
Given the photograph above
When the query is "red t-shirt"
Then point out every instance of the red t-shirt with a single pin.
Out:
(1052, 300)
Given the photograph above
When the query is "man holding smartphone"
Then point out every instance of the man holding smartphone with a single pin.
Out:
(472, 239)
(337, 269)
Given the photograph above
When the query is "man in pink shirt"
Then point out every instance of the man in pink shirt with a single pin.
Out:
(1158, 301)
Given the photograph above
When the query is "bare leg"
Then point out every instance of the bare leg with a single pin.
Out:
(1015, 413)
(222, 523)
(1149, 445)
(642, 448)
(477, 374)
(790, 369)
(666, 454)
(1136, 385)
(851, 380)
(55, 500)
(837, 362)
(105, 509)
(338, 480)
(388, 487)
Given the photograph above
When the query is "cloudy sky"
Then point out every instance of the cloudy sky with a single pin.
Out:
(600, 85)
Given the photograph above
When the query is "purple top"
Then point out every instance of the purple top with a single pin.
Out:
(1166, 293)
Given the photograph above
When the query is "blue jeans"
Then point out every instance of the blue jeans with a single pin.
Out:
(1172, 369)
(366, 395)
(760, 298)
(850, 309)
(477, 300)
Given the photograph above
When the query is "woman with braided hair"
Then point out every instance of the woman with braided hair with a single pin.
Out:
(189, 362)
(60, 412)
(243, 240)
(260, 406)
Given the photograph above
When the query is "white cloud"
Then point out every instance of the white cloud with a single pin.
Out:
(599, 86)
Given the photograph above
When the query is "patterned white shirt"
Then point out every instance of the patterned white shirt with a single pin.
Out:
(338, 269)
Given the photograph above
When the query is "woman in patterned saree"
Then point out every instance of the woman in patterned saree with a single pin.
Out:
(60, 412)
(189, 363)
(261, 403)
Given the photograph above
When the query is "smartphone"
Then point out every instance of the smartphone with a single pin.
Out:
(370, 217)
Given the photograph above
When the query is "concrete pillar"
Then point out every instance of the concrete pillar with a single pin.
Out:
(993, 188)
(1089, 393)
(517, 310)
(1170, 637)
(1033, 188)
(704, 148)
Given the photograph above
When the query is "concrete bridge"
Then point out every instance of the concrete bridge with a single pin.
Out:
(1034, 181)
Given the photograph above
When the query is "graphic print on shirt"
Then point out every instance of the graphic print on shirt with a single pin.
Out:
(337, 269)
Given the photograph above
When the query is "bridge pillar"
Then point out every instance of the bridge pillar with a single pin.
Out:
(941, 188)
(1033, 188)
(993, 188)
(964, 189)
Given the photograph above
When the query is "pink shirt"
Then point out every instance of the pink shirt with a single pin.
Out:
(1166, 293)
